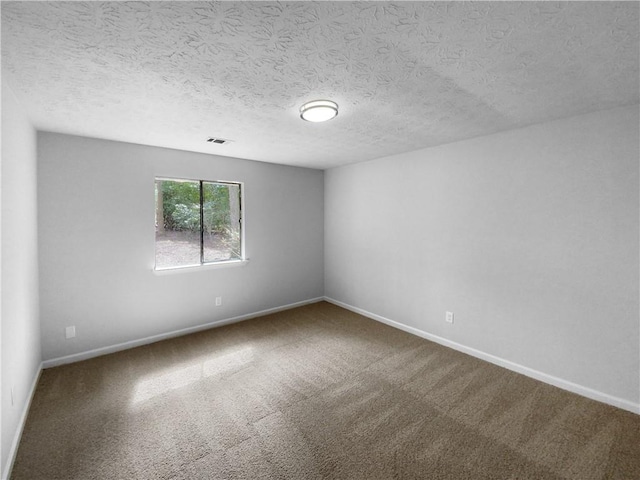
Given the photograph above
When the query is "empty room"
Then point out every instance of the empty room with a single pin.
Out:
(320, 240)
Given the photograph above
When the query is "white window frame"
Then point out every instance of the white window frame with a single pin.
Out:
(236, 262)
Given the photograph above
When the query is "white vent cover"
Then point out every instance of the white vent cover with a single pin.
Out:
(217, 141)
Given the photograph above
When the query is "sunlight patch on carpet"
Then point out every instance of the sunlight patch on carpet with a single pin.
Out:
(161, 383)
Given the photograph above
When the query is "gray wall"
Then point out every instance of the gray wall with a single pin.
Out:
(96, 201)
(20, 332)
(529, 236)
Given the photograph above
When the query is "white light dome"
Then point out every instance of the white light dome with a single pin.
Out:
(318, 110)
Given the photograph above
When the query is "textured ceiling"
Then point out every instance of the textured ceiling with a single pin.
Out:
(406, 75)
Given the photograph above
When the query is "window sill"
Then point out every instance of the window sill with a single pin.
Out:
(197, 268)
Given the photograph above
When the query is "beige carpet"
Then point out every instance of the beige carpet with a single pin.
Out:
(314, 392)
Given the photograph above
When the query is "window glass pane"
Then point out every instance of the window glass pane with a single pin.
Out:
(177, 223)
(221, 215)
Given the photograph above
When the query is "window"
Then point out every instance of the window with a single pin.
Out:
(198, 222)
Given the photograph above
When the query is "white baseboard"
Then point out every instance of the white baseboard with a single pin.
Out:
(529, 372)
(6, 472)
(77, 357)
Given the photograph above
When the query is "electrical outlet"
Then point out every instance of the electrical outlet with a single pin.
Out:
(70, 332)
(218, 301)
(448, 317)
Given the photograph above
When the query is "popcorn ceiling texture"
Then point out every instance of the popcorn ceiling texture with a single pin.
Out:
(406, 75)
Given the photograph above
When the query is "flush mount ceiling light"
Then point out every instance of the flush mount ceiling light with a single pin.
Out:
(318, 111)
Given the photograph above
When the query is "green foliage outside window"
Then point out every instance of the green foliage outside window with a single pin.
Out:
(181, 206)
(197, 216)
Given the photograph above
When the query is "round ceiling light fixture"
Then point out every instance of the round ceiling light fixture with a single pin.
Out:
(318, 111)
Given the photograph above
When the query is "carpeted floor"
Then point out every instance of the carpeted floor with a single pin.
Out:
(314, 392)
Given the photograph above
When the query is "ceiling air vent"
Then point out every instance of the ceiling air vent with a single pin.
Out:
(218, 141)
